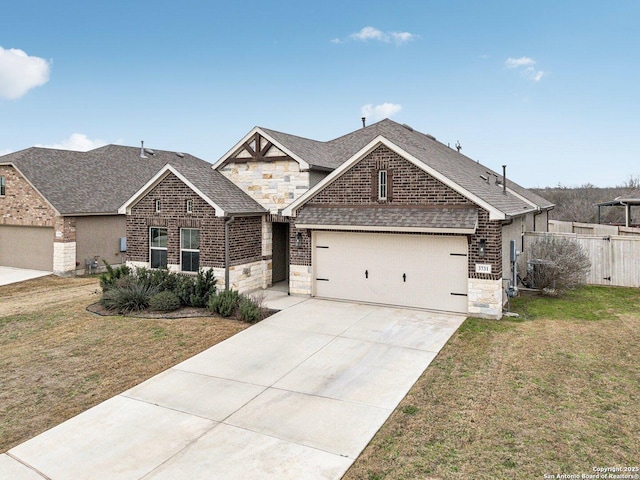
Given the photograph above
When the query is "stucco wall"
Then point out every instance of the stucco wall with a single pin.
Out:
(100, 236)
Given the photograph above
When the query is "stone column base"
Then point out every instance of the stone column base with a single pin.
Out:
(485, 298)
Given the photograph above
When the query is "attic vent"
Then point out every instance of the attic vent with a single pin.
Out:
(149, 151)
(484, 178)
(430, 136)
(408, 127)
(180, 154)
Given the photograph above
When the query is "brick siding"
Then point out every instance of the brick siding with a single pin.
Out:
(22, 204)
(244, 232)
(410, 186)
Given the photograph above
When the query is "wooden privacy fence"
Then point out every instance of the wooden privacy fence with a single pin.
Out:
(615, 259)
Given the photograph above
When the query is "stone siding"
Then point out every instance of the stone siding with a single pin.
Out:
(485, 298)
(273, 184)
(300, 279)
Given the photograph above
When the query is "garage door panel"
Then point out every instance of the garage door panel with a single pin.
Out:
(407, 270)
(26, 247)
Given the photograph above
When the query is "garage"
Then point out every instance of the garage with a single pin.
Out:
(26, 247)
(422, 271)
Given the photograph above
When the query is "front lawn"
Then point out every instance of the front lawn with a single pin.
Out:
(556, 391)
(57, 359)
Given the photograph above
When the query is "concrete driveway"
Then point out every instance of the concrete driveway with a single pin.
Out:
(14, 275)
(297, 396)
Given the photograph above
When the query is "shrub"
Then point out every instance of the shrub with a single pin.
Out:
(205, 286)
(558, 264)
(249, 310)
(161, 279)
(164, 301)
(185, 288)
(108, 279)
(127, 298)
(224, 303)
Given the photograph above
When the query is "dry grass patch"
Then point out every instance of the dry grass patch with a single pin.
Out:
(520, 399)
(57, 359)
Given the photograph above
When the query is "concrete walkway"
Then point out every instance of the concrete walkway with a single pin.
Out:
(10, 275)
(297, 396)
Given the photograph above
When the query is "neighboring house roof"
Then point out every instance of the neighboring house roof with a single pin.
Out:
(100, 181)
(385, 218)
(465, 175)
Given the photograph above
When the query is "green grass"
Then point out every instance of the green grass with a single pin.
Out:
(587, 303)
(554, 391)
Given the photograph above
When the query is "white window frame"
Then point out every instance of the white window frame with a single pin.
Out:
(190, 250)
(189, 206)
(382, 185)
(152, 247)
(158, 206)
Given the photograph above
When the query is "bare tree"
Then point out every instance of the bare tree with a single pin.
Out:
(557, 264)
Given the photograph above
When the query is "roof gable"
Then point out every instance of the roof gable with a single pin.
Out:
(494, 214)
(260, 145)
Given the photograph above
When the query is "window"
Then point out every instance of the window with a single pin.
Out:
(158, 206)
(190, 249)
(382, 184)
(1, 186)
(189, 206)
(158, 247)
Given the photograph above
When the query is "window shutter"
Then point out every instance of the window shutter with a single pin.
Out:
(374, 185)
(389, 184)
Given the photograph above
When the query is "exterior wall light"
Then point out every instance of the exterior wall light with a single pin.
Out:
(482, 248)
(299, 239)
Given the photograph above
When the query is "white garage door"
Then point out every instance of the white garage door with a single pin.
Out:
(26, 247)
(420, 271)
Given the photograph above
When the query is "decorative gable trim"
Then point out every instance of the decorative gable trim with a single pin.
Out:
(291, 210)
(259, 146)
(159, 177)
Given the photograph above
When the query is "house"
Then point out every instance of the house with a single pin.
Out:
(59, 209)
(384, 214)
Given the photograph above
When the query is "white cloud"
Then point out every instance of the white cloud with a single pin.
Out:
(379, 112)
(519, 62)
(19, 73)
(77, 141)
(526, 67)
(369, 33)
(402, 37)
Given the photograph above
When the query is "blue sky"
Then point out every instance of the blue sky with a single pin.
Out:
(549, 88)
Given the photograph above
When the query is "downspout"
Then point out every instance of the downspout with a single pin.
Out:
(535, 214)
(227, 256)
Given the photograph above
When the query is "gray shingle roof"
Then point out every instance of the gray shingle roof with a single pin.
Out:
(102, 180)
(445, 160)
(405, 217)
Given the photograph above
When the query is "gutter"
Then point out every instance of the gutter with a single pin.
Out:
(227, 260)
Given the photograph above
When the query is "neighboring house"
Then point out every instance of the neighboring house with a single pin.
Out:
(387, 215)
(59, 209)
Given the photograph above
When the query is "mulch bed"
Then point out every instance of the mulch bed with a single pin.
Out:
(182, 312)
